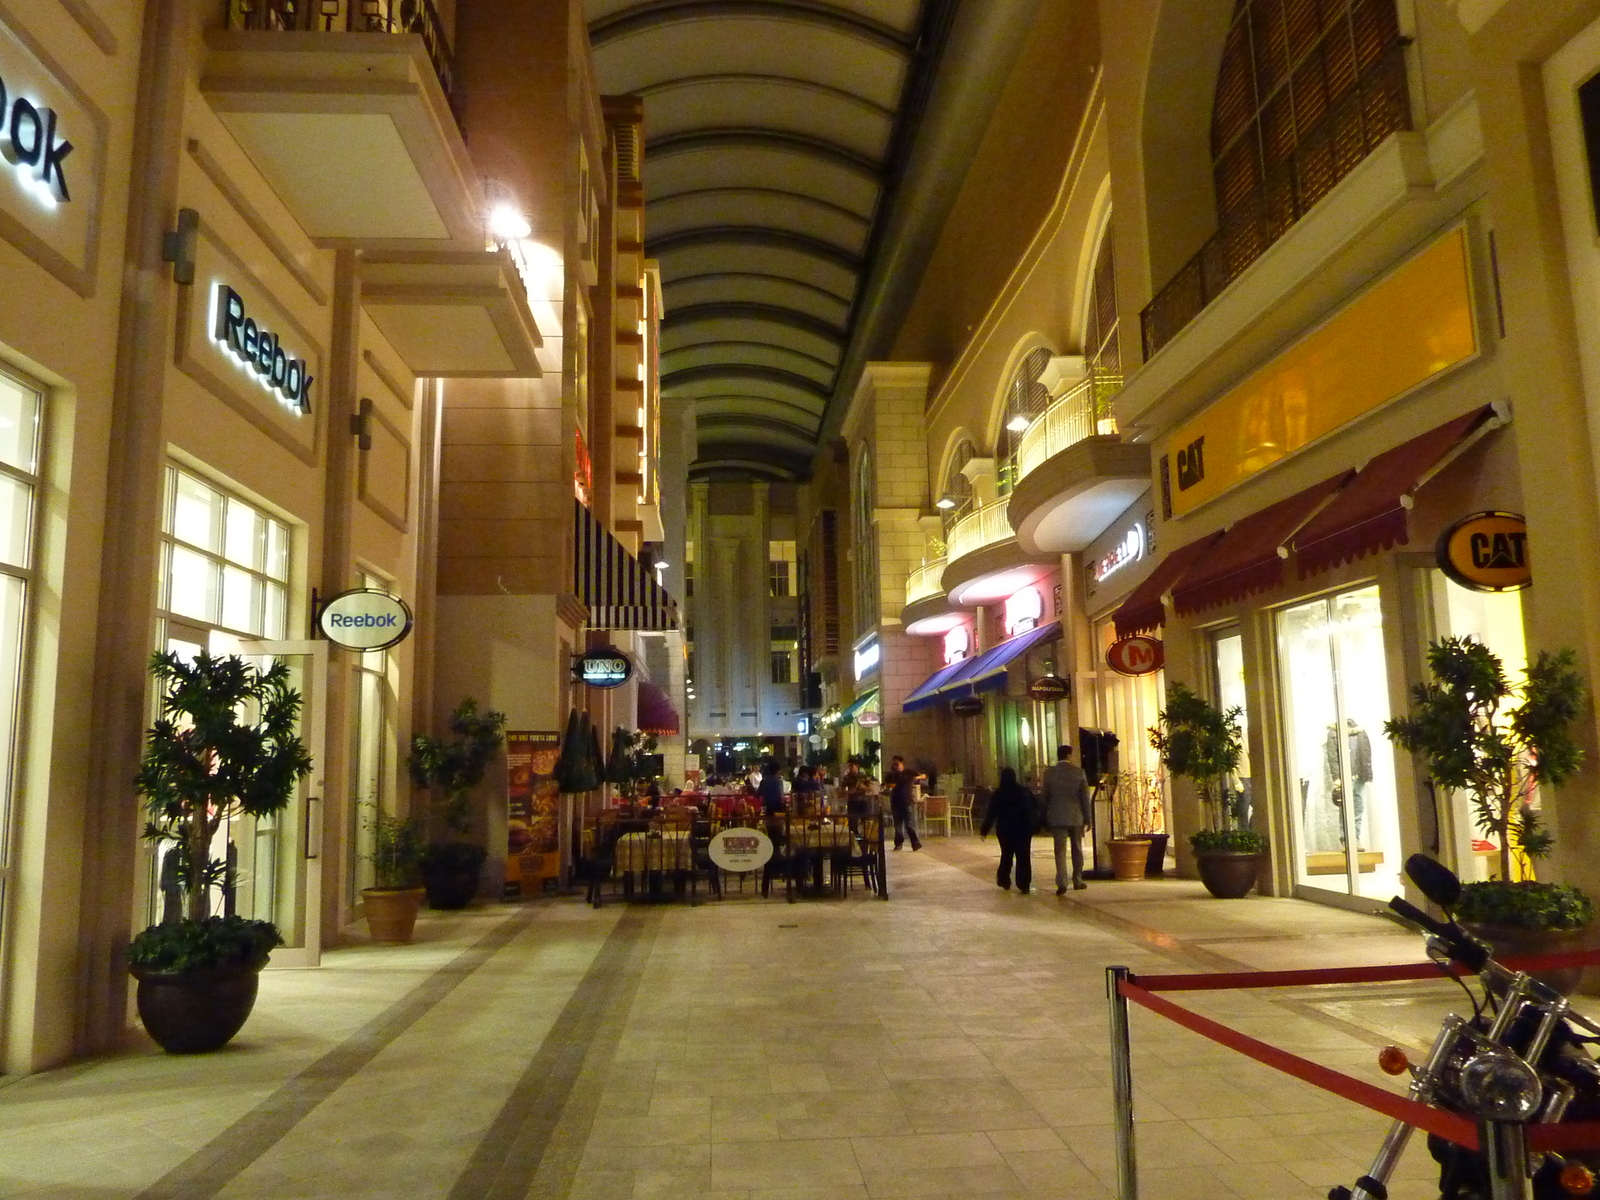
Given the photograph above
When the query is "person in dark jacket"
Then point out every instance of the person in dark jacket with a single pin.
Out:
(770, 788)
(1014, 816)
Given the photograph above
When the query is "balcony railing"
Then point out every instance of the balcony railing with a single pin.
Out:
(925, 581)
(353, 16)
(981, 527)
(1083, 412)
(1377, 106)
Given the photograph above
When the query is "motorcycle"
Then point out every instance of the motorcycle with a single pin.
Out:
(1523, 1057)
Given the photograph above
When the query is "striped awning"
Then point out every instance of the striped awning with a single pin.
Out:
(619, 590)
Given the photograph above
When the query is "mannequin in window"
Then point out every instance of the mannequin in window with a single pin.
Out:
(1358, 746)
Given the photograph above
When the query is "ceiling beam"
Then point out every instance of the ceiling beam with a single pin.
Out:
(652, 15)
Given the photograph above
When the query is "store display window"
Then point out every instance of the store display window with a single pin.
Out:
(1227, 659)
(1340, 768)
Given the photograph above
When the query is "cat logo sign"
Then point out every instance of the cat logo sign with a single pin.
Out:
(1487, 552)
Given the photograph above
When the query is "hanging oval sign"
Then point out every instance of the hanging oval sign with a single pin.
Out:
(364, 619)
(740, 850)
(1049, 687)
(1486, 552)
(967, 706)
(869, 719)
(1138, 655)
(604, 667)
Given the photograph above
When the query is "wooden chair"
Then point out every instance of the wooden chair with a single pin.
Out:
(936, 811)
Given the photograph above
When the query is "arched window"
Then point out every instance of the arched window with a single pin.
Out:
(1026, 399)
(955, 498)
(1100, 346)
(865, 539)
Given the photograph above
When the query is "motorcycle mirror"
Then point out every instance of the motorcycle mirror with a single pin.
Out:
(1435, 880)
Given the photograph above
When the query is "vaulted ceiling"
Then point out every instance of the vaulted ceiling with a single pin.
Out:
(774, 130)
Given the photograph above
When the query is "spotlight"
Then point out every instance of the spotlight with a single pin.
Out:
(507, 224)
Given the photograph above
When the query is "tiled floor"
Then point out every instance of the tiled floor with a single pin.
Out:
(951, 1042)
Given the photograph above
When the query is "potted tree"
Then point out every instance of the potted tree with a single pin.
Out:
(391, 903)
(1499, 742)
(224, 746)
(1204, 744)
(451, 865)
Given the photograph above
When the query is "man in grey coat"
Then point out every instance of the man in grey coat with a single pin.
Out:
(1067, 812)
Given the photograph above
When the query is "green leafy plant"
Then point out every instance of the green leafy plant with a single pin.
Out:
(456, 765)
(1459, 726)
(1240, 841)
(397, 850)
(178, 946)
(1525, 905)
(224, 746)
(1205, 744)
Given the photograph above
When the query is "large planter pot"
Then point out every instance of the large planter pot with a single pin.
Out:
(1156, 863)
(191, 1012)
(391, 913)
(1129, 857)
(1228, 874)
(1510, 941)
(451, 888)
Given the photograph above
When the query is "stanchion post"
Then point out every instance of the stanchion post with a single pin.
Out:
(1505, 1153)
(1122, 1085)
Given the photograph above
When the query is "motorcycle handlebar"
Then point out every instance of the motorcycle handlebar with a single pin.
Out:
(1463, 947)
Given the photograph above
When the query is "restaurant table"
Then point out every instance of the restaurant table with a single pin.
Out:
(664, 850)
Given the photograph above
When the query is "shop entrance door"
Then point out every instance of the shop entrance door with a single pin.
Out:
(1340, 786)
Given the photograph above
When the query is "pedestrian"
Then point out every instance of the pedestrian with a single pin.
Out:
(1013, 814)
(770, 788)
(902, 784)
(1068, 812)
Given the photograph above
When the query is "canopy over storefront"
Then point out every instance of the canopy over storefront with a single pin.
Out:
(656, 712)
(981, 673)
(619, 590)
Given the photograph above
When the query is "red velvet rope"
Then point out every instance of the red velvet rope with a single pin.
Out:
(1220, 981)
(1434, 1120)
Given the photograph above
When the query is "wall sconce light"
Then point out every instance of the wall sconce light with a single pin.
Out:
(507, 224)
(1018, 424)
(945, 502)
(361, 425)
(177, 246)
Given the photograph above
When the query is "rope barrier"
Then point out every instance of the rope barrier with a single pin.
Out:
(1315, 976)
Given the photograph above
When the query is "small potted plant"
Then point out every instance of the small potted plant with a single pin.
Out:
(451, 865)
(1499, 742)
(224, 747)
(391, 903)
(1138, 844)
(1205, 744)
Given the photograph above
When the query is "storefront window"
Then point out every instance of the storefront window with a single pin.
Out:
(1227, 657)
(374, 755)
(1340, 766)
(21, 412)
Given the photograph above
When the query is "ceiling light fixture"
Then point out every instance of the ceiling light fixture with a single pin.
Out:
(1017, 424)
(507, 224)
(945, 502)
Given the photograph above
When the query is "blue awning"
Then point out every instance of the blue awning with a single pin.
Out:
(989, 669)
(925, 694)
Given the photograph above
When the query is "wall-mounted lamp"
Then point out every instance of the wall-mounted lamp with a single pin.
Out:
(661, 564)
(1018, 424)
(177, 245)
(945, 502)
(361, 425)
(507, 224)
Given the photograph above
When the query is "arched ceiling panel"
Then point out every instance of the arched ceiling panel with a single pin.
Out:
(772, 128)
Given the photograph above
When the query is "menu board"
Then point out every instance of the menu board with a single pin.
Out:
(533, 826)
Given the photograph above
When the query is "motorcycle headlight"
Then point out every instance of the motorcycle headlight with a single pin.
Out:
(1499, 1086)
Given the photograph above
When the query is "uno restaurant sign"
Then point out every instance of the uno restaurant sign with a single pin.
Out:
(740, 850)
(1486, 552)
(606, 667)
(365, 619)
(1409, 328)
(1138, 655)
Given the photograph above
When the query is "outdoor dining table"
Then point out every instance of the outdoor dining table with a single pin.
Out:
(657, 850)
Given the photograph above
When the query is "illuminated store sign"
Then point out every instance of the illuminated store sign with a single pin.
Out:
(1129, 550)
(1486, 552)
(30, 143)
(606, 667)
(261, 350)
(957, 644)
(365, 619)
(867, 657)
(1024, 611)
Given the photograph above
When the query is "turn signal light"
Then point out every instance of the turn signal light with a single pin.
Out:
(1576, 1179)
(1393, 1060)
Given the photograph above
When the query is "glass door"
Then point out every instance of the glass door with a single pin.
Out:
(1335, 698)
(1227, 659)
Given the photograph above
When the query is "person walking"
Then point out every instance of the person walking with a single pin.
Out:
(1013, 814)
(1068, 813)
(770, 788)
(902, 783)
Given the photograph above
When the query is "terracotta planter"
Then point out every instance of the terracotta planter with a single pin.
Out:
(1156, 864)
(1510, 941)
(191, 1012)
(1129, 857)
(391, 913)
(1228, 874)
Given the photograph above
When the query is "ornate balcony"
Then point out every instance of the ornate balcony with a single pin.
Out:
(1083, 412)
(986, 526)
(925, 581)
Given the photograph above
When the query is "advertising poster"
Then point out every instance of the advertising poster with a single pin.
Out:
(533, 833)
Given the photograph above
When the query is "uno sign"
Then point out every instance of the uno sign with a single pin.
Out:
(605, 668)
(1136, 656)
(365, 619)
(1486, 552)
(740, 850)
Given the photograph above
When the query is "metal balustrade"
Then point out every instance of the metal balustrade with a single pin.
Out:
(1083, 412)
(981, 527)
(925, 581)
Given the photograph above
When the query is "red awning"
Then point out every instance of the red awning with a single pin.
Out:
(656, 714)
(1370, 514)
(1246, 559)
(1142, 611)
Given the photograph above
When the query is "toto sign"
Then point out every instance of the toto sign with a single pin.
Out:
(605, 667)
(1136, 656)
(740, 850)
(364, 619)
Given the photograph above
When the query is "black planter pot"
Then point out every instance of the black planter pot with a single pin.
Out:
(1155, 865)
(452, 887)
(1228, 874)
(191, 1012)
